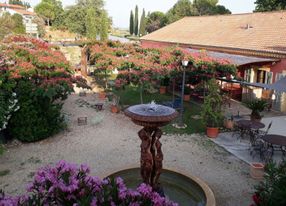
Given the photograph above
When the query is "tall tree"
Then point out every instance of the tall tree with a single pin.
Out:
(104, 26)
(87, 18)
(136, 21)
(142, 30)
(131, 23)
(92, 23)
(49, 10)
(270, 5)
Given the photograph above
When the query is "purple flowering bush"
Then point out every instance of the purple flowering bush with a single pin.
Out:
(71, 185)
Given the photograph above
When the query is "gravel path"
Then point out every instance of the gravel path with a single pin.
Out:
(112, 144)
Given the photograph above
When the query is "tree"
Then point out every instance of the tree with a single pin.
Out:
(209, 7)
(142, 30)
(136, 21)
(270, 5)
(181, 9)
(75, 20)
(11, 25)
(19, 2)
(92, 22)
(49, 10)
(19, 26)
(104, 25)
(131, 23)
(155, 21)
(87, 18)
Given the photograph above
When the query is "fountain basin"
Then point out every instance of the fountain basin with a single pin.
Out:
(151, 115)
(185, 190)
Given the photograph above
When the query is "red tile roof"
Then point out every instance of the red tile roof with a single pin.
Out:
(254, 31)
(12, 6)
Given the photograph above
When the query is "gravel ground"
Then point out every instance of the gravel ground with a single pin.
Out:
(109, 143)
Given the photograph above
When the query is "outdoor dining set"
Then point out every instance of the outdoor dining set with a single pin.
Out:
(261, 142)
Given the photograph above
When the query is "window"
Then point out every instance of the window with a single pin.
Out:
(269, 78)
(280, 76)
(247, 75)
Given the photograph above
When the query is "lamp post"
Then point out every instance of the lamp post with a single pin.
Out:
(181, 120)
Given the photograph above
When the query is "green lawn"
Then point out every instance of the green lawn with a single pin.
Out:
(131, 96)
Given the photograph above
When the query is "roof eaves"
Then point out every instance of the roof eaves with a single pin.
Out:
(245, 51)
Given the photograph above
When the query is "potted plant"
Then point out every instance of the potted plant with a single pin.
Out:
(102, 95)
(187, 95)
(115, 104)
(256, 106)
(228, 122)
(211, 111)
(164, 83)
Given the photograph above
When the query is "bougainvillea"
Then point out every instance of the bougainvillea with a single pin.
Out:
(68, 184)
(39, 76)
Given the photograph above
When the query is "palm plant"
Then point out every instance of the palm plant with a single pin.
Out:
(257, 106)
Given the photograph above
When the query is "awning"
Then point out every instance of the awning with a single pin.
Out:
(238, 60)
(279, 86)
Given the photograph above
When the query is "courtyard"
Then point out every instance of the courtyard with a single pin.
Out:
(112, 144)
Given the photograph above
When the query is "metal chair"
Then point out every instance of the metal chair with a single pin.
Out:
(259, 146)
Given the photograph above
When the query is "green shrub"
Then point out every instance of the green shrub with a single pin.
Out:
(272, 191)
(37, 118)
(211, 111)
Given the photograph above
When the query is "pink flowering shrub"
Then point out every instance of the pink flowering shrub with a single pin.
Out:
(68, 184)
(40, 77)
(139, 65)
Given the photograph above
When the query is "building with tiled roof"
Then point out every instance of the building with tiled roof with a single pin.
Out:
(255, 42)
(27, 14)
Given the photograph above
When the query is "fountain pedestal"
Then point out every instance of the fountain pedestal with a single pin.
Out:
(151, 162)
(151, 117)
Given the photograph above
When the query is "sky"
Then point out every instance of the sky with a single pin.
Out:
(119, 10)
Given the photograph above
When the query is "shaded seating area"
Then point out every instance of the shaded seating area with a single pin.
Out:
(256, 141)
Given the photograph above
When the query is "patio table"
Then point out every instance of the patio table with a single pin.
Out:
(248, 124)
(249, 127)
(275, 141)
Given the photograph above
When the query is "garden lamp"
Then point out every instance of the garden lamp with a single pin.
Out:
(181, 120)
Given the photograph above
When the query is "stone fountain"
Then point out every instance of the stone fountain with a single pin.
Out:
(151, 117)
(183, 189)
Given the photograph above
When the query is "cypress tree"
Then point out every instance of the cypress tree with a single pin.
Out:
(142, 29)
(131, 23)
(136, 21)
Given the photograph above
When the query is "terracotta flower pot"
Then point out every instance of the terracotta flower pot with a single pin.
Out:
(228, 124)
(163, 89)
(257, 170)
(255, 118)
(187, 97)
(102, 95)
(114, 109)
(212, 132)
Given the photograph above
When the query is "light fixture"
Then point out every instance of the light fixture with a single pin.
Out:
(115, 71)
(273, 97)
(185, 63)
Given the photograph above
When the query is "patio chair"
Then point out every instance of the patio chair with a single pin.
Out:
(259, 133)
(258, 147)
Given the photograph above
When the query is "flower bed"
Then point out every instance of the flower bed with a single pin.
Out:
(68, 184)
